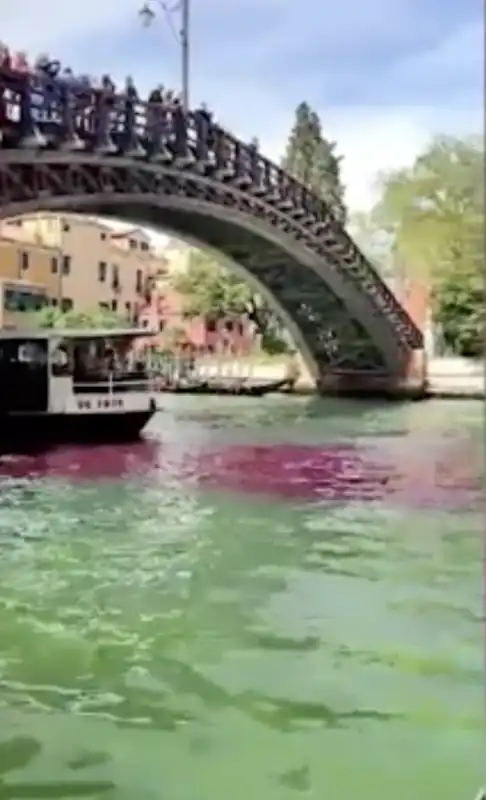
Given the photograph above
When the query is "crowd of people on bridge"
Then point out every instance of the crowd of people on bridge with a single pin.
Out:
(51, 73)
(43, 92)
(18, 65)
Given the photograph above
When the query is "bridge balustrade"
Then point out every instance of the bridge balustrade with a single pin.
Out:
(48, 113)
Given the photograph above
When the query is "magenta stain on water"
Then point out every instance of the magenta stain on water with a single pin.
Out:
(345, 473)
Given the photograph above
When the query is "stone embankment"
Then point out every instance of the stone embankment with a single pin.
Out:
(456, 377)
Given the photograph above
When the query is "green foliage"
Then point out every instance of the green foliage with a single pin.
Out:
(209, 290)
(50, 317)
(435, 209)
(435, 213)
(273, 344)
(312, 160)
(459, 309)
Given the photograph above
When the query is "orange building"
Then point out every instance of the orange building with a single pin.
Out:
(84, 264)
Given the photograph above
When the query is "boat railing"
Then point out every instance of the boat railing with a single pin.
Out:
(113, 385)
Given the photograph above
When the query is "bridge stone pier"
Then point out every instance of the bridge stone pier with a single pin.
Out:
(70, 148)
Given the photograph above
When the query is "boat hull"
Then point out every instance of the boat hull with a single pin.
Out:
(235, 390)
(21, 432)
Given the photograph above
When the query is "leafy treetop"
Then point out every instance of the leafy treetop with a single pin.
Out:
(312, 160)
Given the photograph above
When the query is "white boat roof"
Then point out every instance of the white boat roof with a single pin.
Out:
(73, 333)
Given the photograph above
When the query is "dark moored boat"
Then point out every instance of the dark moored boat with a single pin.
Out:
(71, 386)
(237, 389)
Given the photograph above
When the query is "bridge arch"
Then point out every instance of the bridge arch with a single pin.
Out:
(338, 327)
(79, 148)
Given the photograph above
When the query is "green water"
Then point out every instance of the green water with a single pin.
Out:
(162, 637)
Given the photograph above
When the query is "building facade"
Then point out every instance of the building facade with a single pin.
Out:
(164, 314)
(85, 264)
(28, 262)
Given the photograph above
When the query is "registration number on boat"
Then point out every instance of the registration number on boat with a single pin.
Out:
(87, 405)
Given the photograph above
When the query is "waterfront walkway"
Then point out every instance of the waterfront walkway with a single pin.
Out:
(447, 377)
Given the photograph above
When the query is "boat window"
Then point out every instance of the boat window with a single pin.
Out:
(31, 353)
(23, 300)
(28, 353)
(61, 362)
(111, 364)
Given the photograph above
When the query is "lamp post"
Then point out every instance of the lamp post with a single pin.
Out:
(148, 15)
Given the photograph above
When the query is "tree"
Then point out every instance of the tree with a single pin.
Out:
(375, 242)
(312, 160)
(435, 209)
(435, 213)
(211, 291)
(50, 317)
(460, 310)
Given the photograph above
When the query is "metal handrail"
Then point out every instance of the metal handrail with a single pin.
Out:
(111, 383)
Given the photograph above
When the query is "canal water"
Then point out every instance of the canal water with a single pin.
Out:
(270, 599)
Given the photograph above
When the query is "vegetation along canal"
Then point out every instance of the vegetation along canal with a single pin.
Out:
(270, 599)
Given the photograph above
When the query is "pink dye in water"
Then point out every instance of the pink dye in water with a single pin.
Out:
(285, 471)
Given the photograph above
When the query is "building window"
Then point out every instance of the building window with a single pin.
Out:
(54, 302)
(128, 308)
(104, 306)
(161, 325)
(114, 305)
(103, 237)
(66, 265)
(54, 265)
(210, 325)
(229, 325)
(115, 277)
(66, 227)
(102, 269)
(144, 246)
(24, 260)
(66, 304)
(132, 244)
(139, 282)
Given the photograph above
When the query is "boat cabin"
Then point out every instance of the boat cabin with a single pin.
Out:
(72, 372)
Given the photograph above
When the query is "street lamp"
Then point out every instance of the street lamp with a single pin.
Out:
(148, 15)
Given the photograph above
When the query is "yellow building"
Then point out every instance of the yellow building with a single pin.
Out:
(30, 262)
(90, 266)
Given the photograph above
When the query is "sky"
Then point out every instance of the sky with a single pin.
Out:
(384, 76)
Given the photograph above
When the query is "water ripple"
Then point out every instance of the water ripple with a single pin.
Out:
(278, 613)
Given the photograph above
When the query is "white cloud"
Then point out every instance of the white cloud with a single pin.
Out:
(379, 140)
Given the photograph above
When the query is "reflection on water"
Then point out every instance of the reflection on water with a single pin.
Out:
(245, 607)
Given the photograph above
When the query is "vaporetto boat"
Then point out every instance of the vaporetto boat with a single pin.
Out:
(72, 386)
